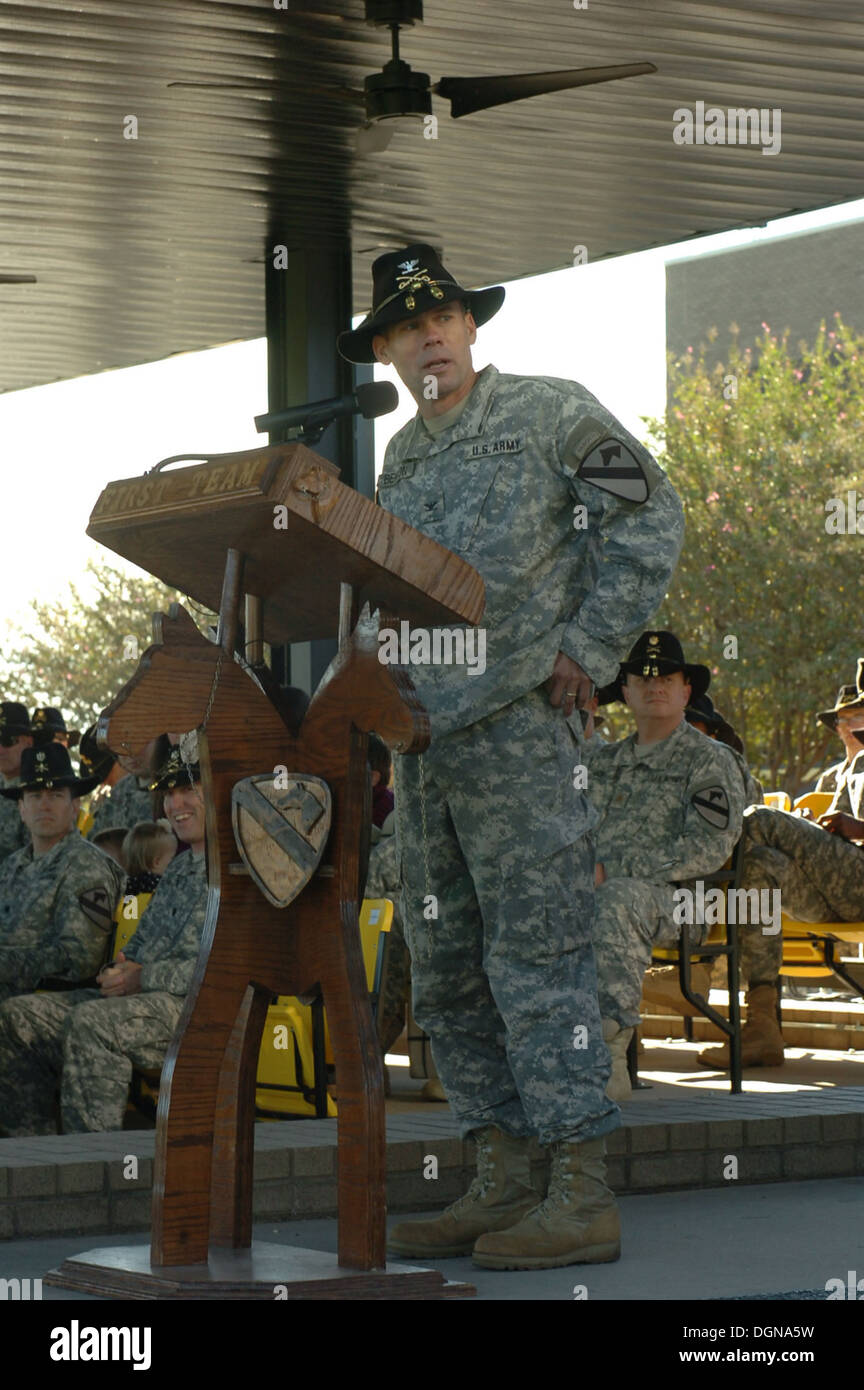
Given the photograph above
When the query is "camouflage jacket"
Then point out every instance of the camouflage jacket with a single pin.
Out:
(833, 779)
(849, 796)
(168, 939)
(575, 541)
(13, 831)
(670, 815)
(126, 804)
(56, 912)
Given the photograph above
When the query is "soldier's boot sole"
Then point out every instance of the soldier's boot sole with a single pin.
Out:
(430, 1240)
(598, 1243)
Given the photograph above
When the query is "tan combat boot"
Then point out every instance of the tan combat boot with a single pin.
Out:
(761, 1039)
(499, 1196)
(617, 1039)
(576, 1224)
(661, 986)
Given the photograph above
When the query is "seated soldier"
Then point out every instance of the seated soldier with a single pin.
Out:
(49, 726)
(94, 1037)
(669, 803)
(845, 720)
(129, 799)
(57, 895)
(820, 875)
(661, 984)
(15, 736)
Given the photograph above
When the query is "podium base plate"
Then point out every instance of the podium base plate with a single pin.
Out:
(262, 1271)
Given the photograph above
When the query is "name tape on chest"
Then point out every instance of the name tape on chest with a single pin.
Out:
(712, 804)
(396, 474)
(97, 907)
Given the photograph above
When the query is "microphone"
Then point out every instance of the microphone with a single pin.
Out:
(369, 400)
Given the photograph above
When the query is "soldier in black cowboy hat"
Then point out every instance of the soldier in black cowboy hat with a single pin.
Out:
(845, 719)
(57, 894)
(669, 803)
(88, 1040)
(15, 736)
(529, 479)
(49, 726)
(657, 653)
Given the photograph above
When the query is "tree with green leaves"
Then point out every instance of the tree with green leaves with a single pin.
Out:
(82, 648)
(767, 454)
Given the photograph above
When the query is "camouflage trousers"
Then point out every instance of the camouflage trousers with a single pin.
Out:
(86, 1047)
(497, 874)
(820, 877)
(632, 916)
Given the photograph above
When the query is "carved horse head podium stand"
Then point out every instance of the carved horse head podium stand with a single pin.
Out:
(312, 558)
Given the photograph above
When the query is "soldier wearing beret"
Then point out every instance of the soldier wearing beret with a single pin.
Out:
(575, 531)
(57, 895)
(15, 736)
(670, 803)
(93, 1038)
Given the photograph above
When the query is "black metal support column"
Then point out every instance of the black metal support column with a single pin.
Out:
(308, 303)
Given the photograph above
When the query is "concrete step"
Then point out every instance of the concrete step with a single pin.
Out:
(672, 1137)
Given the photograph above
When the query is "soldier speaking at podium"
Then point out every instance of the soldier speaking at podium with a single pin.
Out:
(576, 531)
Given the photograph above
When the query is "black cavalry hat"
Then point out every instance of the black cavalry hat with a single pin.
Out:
(46, 722)
(181, 768)
(657, 653)
(701, 711)
(94, 761)
(14, 719)
(849, 697)
(409, 282)
(44, 769)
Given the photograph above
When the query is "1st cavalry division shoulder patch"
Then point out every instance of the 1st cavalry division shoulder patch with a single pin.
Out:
(613, 468)
(712, 803)
(96, 906)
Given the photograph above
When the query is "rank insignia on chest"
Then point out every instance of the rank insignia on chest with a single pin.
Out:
(613, 468)
(712, 804)
(512, 445)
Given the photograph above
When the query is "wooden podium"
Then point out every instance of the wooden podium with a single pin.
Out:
(272, 532)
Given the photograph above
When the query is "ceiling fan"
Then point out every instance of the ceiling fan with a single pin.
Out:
(399, 91)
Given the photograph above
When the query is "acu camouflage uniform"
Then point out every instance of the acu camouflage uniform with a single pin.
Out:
(13, 832)
(820, 875)
(834, 778)
(126, 803)
(383, 881)
(96, 1041)
(56, 913)
(670, 813)
(489, 820)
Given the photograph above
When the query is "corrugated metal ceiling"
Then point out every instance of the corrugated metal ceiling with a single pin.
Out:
(151, 246)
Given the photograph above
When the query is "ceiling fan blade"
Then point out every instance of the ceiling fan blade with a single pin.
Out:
(467, 94)
(373, 138)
